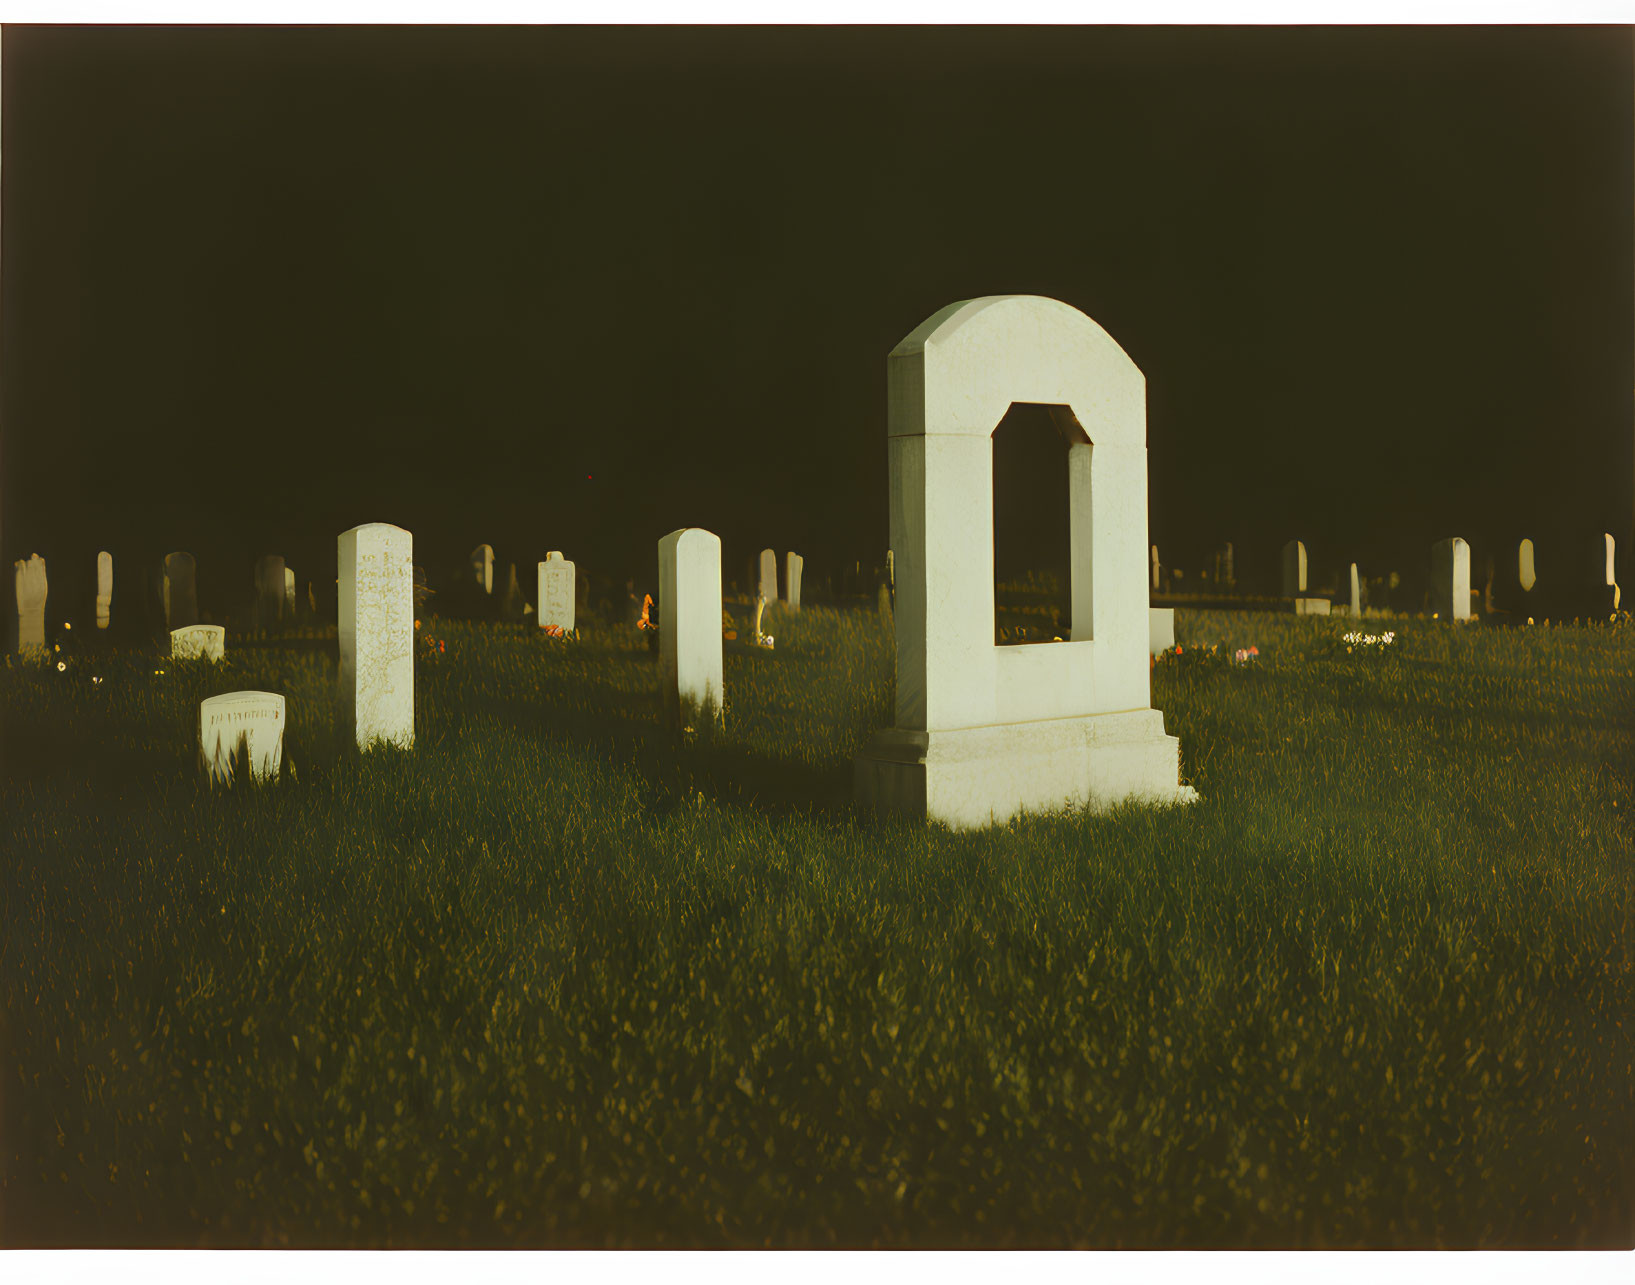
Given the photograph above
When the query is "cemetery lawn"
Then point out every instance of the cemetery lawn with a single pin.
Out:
(553, 979)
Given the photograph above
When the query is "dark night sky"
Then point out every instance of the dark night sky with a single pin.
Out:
(263, 284)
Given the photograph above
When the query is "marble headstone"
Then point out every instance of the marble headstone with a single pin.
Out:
(557, 592)
(794, 565)
(198, 642)
(1294, 569)
(1356, 592)
(31, 595)
(376, 631)
(690, 648)
(247, 726)
(482, 568)
(289, 593)
(1525, 573)
(180, 591)
(1450, 579)
(769, 575)
(105, 588)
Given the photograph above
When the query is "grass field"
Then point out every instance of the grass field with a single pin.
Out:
(553, 979)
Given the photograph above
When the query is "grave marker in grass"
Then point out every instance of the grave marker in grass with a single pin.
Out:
(241, 732)
(690, 649)
(1450, 579)
(105, 588)
(32, 589)
(376, 631)
(769, 575)
(794, 565)
(983, 731)
(558, 598)
(198, 642)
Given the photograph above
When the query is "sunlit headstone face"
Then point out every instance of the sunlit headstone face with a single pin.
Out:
(1524, 566)
(1612, 545)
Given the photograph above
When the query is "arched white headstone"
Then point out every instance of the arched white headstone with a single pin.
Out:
(556, 592)
(244, 725)
(690, 647)
(1450, 579)
(984, 731)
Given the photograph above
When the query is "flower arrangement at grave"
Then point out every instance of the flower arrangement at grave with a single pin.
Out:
(1358, 641)
(1207, 655)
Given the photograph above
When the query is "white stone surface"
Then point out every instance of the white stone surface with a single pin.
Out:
(1524, 566)
(32, 589)
(1356, 592)
(1294, 569)
(1160, 629)
(198, 642)
(245, 724)
(1612, 572)
(983, 731)
(482, 567)
(690, 648)
(180, 590)
(1450, 579)
(769, 575)
(557, 578)
(105, 588)
(1312, 606)
(794, 565)
(376, 628)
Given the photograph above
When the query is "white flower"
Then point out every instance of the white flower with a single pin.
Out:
(61, 665)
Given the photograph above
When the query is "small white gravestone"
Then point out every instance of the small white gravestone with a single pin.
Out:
(1612, 571)
(1450, 579)
(557, 583)
(247, 726)
(769, 575)
(198, 642)
(794, 565)
(289, 593)
(1356, 592)
(482, 567)
(1524, 567)
(981, 731)
(269, 591)
(1160, 629)
(1294, 569)
(31, 595)
(376, 630)
(690, 647)
(1312, 606)
(105, 588)
(180, 591)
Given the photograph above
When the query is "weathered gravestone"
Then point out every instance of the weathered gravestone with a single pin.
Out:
(1356, 592)
(1526, 573)
(1294, 569)
(984, 731)
(178, 584)
(558, 598)
(769, 575)
(376, 630)
(31, 595)
(198, 642)
(105, 588)
(269, 592)
(1450, 579)
(793, 566)
(690, 648)
(482, 568)
(289, 593)
(242, 728)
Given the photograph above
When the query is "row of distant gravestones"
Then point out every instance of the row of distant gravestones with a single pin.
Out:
(1584, 582)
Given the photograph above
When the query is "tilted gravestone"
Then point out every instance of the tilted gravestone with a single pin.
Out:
(376, 631)
(768, 587)
(558, 600)
(1450, 579)
(105, 588)
(1294, 569)
(246, 728)
(198, 642)
(269, 592)
(32, 589)
(1356, 592)
(984, 731)
(179, 587)
(690, 647)
(793, 566)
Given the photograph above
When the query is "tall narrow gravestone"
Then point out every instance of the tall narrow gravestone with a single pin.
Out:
(1614, 595)
(690, 647)
(1526, 575)
(198, 642)
(289, 593)
(557, 585)
(242, 727)
(1155, 569)
(1450, 579)
(793, 566)
(180, 591)
(1294, 569)
(105, 588)
(376, 629)
(31, 595)
(983, 732)
(1356, 592)
(769, 575)
(269, 592)
(482, 568)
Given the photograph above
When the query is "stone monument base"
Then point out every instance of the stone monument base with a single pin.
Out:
(971, 777)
